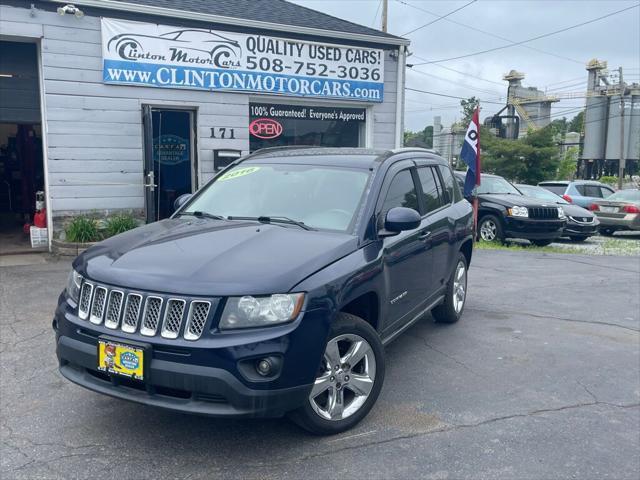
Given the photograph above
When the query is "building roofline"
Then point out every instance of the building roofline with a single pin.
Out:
(207, 17)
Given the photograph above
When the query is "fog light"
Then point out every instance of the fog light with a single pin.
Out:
(263, 367)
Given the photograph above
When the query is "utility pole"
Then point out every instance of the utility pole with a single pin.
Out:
(385, 5)
(622, 162)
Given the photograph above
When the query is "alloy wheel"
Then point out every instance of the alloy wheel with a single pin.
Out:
(345, 379)
(488, 230)
(459, 287)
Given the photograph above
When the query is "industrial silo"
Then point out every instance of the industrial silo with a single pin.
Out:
(613, 128)
(595, 117)
(633, 135)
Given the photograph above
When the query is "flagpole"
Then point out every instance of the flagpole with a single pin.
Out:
(475, 198)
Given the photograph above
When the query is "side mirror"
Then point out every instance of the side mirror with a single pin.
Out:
(399, 219)
(181, 200)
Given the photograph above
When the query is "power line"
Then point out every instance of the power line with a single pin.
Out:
(376, 15)
(531, 39)
(491, 34)
(454, 83)
(448, 96)
(439, 18)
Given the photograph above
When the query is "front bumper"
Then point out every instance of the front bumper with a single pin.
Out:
(581, 228)
(204, 377)
(531, 229)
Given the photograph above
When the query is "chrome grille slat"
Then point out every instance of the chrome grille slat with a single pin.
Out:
(114, 308)
(97, 307)
(151, 315)
(196, 319)
(131, 313)
(173, 314)
(85, 300)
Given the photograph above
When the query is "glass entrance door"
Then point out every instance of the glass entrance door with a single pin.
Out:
(169, 159)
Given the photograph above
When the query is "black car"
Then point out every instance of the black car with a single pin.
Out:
(273, 289)
(503, 212)
(581, 223)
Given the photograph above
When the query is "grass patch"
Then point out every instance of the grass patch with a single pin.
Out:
(518, 247)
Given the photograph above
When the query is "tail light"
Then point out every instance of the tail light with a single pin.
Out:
(631, 209)
(594, 207)
(567, 198)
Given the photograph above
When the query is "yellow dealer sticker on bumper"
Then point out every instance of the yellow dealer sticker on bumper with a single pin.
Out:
(239, 172)
(120, 359)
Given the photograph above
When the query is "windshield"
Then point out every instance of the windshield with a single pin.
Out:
(320, 196)
(557, 188)
(541, 193)
(496, 185)
(626, 196)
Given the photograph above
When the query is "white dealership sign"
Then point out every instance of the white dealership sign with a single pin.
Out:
(163, 56)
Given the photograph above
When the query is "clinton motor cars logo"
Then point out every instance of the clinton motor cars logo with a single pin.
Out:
(129, 360)
(265, 128)
(195, 47)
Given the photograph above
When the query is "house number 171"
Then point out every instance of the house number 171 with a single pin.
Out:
(223, 133)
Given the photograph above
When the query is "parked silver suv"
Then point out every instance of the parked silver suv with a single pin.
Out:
(579, 192)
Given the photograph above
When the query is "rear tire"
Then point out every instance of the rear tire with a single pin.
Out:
(455, 298)
(353, 387)
(541, 243)
(490, 229)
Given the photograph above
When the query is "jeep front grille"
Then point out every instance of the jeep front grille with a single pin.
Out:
(173, 318)
(131, 313)
(197, 318)
(543, 213)
(149, 314)
(114, 307)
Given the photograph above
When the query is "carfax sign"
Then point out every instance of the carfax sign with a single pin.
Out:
(162, 56)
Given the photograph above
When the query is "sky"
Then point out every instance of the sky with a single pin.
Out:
(615, 39)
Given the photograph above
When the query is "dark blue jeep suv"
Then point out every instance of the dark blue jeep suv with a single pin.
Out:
(273, 289)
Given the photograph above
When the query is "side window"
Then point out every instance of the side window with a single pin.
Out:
(401, 193)
(605, 192)
(581, 190)
(592, 191)
(449, 188)
(432, 191)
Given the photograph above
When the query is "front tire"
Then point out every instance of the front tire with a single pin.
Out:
(607, 232)
(578, 238)
(490, 229)
(541, 243)
(349, 378)
(451, 309)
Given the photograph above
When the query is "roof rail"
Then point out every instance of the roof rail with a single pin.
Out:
(276, 149)
(414, 149)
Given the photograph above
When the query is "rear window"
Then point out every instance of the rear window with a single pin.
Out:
(449, 188)
(556, 188)
(592, 191)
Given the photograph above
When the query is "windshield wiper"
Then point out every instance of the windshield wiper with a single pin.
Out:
(200, 214)
(276, 219)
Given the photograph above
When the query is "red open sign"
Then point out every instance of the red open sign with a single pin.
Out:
(265, 128)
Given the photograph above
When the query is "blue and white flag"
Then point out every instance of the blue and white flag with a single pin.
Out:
(470, 154)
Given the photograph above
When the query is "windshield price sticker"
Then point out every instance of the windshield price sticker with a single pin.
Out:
(240, 172)
(145, 54)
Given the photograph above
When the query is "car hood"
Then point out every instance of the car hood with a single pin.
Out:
(514, 200)
(576, 211)
(213, 257)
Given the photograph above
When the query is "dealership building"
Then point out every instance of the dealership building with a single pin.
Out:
(109, 106)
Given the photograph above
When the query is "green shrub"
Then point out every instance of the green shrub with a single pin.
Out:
(119, 223)
(82, 230)
(609, 180)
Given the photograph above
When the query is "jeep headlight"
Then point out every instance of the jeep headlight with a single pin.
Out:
(248, 311)
(518, 212)
(561, 214)
(73, 285)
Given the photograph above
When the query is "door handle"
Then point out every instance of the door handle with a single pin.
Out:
(150, 181)
(424, 235)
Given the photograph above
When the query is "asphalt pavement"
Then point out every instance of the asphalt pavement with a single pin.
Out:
(540, 379)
